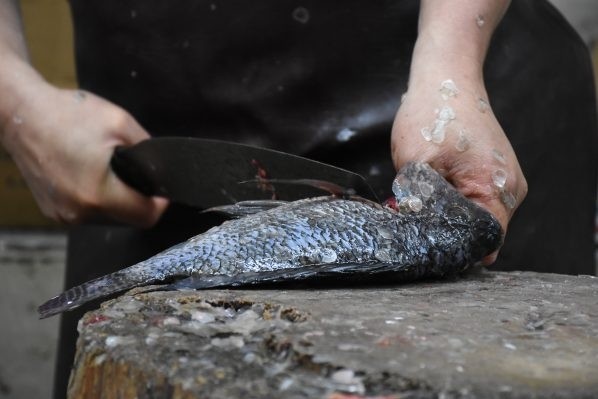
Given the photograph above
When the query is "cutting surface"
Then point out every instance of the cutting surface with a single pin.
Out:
(502, 335)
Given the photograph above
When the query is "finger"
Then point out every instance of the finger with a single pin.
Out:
(490, 259)
(502, 215)
(127, 131)
(124, 204)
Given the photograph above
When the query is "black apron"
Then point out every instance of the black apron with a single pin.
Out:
(293, 76)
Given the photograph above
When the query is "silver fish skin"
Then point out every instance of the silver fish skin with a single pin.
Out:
(320, 237)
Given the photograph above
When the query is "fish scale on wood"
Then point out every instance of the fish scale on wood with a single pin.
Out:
(328, 237)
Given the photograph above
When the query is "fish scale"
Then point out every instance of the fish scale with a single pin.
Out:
(349, 238)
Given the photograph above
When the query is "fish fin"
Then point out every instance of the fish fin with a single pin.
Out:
(77, 296)
(331, 188)
(246, 208)
(100, 287)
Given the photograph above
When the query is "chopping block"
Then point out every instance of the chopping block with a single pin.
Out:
(487, 335)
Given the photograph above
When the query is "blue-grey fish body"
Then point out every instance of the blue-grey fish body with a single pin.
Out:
(324, 236)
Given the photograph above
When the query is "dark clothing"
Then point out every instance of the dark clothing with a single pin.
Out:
(291, 77)
(268, 73)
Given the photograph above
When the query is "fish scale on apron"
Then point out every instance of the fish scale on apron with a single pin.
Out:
(324, 79)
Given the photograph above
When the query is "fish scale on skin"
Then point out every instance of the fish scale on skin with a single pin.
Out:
(289, 241)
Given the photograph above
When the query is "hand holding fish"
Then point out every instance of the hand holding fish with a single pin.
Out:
(446, 119)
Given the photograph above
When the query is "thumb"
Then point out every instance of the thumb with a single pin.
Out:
(130, 132)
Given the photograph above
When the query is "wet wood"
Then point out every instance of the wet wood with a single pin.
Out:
(491, 335)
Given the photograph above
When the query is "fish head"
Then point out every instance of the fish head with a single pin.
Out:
(421, 190)
(481, 230)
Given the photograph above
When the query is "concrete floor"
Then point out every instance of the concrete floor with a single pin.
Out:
(32, 267)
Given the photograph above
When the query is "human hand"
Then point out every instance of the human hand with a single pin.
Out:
(62, 141)
(446, 119)
(450, 125)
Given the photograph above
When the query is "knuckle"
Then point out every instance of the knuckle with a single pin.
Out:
(120, 119)
(117, 117)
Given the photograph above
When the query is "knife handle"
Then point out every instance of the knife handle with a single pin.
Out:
(130, 170)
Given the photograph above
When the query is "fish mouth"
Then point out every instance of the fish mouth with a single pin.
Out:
(488, 235)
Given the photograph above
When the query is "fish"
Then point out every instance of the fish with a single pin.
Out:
(426, 230)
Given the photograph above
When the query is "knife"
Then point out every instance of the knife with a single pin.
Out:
(205, 173)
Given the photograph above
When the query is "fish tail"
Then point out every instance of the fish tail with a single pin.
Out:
(100, 287)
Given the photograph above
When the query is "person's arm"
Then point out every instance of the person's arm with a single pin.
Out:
(446, 118)
(62, 140)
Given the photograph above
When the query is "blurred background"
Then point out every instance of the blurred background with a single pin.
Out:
(32, 248)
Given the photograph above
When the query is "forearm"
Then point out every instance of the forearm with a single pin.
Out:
(11, 29)
(453, 37)
(18, 80)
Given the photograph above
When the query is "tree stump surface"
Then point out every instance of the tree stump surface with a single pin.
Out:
(488, 335)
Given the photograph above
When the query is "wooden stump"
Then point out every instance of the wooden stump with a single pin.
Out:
(489, 335)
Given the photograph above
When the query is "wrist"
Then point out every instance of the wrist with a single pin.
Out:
(434, 62)
(462, 27)
(453, 38)
(20, 85)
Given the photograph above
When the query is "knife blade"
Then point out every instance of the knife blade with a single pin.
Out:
(204, 173)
